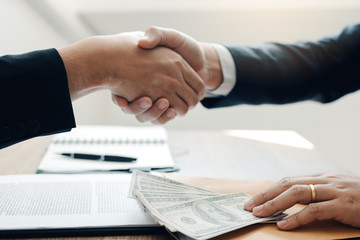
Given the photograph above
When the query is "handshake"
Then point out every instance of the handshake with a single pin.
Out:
(154, 75)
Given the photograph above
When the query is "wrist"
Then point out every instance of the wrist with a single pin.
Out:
(80, 68)
(212, 64)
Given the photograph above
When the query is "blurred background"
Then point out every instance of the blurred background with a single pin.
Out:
(334, 128)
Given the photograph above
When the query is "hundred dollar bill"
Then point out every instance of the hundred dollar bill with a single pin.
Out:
(205, 218)
(195, 212)
(143, 185)
(162, 201)
(171, 188)
(177, 194)
(138, 174)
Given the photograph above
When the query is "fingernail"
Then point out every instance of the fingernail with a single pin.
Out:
(146, 37)
(282, 223)
(249, 204)
(258, 209)
(161, 105)
(144, 105)
(170, 114)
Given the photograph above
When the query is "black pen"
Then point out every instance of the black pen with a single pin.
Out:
(108, 158)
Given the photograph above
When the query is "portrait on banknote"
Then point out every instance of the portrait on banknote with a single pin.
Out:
(213, 213)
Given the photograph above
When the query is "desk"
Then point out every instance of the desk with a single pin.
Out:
(223, 154)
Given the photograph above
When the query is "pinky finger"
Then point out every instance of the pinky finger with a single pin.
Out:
(313, 212)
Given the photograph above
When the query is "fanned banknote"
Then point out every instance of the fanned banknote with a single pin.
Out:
(194, 212)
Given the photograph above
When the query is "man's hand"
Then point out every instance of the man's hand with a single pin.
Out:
(202, 57)
(117, 63)
(333, 197)
(144, 109)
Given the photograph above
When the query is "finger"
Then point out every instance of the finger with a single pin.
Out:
(121, 102)
(158, 108)
(155, 36)
(194, 81)
(165, 117)
(315, 211)
(178, 103)
(185, 96)
(152, 38)
(264, 196)
(279, 187)
(295, 194)
(138, 106)
(183, 44)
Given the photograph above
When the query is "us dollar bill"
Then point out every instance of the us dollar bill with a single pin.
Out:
(195, 212)
(204, 218)
(138, 175)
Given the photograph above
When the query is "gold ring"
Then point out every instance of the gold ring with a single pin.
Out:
(313, 193)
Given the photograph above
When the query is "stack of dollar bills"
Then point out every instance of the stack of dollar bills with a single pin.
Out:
(194, 212)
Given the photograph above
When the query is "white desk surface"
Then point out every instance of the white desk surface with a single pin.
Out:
(246, 154)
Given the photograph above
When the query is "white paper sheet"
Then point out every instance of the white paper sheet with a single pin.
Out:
(148, 144)
(68, 201)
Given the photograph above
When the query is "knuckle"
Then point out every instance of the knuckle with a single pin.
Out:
(200, 89)
(298, 190)
(286, 183)
(313, 209)
(349, 200)
(262, 197)
(193, 101)
(297, 218)
(183, 111)
(270, 205)
(330, 175)
(340, 186)
(178, 62)
(154, 31)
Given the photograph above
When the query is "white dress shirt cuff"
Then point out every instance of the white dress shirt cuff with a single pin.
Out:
(228, 71)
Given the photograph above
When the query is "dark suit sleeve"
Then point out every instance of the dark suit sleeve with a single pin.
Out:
(34, 96)
(276, 73)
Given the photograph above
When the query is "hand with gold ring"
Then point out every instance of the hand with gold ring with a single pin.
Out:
(329, 196)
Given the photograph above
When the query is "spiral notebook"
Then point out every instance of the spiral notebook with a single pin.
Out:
(149, 145)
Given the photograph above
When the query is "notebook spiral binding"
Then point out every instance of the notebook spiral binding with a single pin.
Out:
(108, 141)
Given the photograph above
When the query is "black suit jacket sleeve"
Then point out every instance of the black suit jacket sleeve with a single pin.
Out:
(34, 96)
(276, 73)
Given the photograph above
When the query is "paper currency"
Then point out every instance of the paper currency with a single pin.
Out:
(195, 212)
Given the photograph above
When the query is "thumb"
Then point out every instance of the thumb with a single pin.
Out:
(151, 39)
(181, 43)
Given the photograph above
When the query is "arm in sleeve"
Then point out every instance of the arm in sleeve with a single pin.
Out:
(275, 73)
(34, 96)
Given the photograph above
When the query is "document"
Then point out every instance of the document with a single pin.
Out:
(148, 145)
(75, 201)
